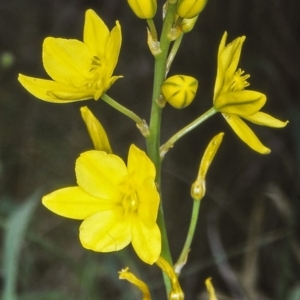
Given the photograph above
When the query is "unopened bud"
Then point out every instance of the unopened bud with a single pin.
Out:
(144, 9)
(190, 8)
(96, 130)
(179, 90)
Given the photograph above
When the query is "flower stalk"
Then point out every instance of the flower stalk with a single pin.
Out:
(187, 245)
(170, 143)
(125, 111)
(153, 140)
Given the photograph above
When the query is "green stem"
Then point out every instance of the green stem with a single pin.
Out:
(153, 140)
(173, 53)
(170, 143)
(187, 246)
(152, 28)
(122, 109)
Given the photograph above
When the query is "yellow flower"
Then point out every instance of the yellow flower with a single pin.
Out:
(118, 204)
(80, 70)
(144, 9)
(234, 102)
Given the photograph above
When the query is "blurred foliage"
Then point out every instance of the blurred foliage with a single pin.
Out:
(248, 235)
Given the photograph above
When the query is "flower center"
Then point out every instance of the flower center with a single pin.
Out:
(95, 62)
(239, 81)
(130, 202)
(96, 71)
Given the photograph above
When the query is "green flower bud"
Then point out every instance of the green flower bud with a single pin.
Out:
(179, 90)
(144, 9)
(190, 8)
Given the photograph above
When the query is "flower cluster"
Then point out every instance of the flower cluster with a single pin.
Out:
(119, 203)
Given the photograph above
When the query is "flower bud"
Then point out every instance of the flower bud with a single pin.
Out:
(190, 8)
(199, 186)
(179, 90)
(144, 9)
(96, 130)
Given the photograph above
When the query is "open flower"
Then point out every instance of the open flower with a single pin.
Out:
(118, 204)
(234, 102)
(80, 70)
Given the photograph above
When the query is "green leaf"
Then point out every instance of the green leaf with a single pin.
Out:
(15, 231)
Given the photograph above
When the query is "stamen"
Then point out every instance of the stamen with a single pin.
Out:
(239, 81)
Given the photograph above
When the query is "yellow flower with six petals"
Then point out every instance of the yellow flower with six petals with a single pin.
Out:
(118, 204)
(80, 70)
(234, 102)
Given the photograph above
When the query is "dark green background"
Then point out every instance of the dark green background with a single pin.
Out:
(248, 234)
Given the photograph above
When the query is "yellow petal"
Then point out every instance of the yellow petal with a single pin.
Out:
(246, 134)
(209, 154)
(231, 55)
(176, 292)
(125, 274)
(46, 89)
(139, 165)
(109, 82)
(105, 231)
(228, 59)
(263, 119)
(113, 49)
(74, 203)
(100, 174)
(241, 103)
(210, 289)
(67, 61)
(71, 94)
(148, 202)
(146, 241)
(96, 130)
(95, 34)
(199, 186)
(222, 43)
